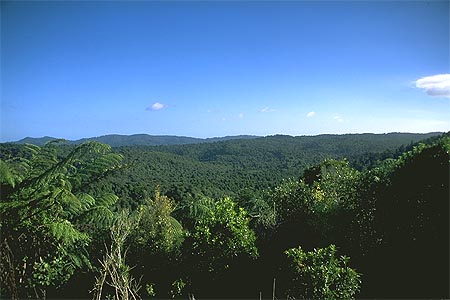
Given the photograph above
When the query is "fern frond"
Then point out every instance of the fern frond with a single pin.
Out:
(99, 216)
(6, 176)
(6, 206)
(90, 148)
(79, 260)
(65, 232)
(87, 201)
(33, 149)
(107, 200)
(175, 225)
(199, 209)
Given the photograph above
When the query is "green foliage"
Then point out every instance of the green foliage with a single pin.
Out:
(177, 288)
(261, 209)
(225, 168)
(158, 231)
(322, 202)
(6, 176)
(59, 202)
(408, 205)
(41, 201)
(154, 247)
(320, 274)
(293, 200)
(334, 193)
(52, 270)
(150, 289)
(222, 234)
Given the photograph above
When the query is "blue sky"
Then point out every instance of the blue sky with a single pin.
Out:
(210, 68)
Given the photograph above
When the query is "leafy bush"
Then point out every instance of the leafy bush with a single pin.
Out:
(320, 274)
(222, 234)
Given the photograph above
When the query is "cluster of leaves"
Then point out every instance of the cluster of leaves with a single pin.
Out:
(222, 234)
(320, 274)
(173, 256)
(158, 230)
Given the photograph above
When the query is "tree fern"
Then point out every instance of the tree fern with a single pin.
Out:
(201, 208)
(6, 176)
(99, 213)
(43, 201)
(66, 233)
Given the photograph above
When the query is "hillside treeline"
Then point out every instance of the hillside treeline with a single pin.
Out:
(232, 167)
(88, 221)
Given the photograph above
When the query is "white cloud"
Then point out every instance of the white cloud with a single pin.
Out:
(338, 118)
(156, 106)
(436, 85)
(311, 114)
(241, 115)
(266, 110)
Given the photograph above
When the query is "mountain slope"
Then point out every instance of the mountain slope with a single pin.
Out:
(36, 141)
(117, 140)
(226, 168)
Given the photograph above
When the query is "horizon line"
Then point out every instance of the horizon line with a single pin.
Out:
(218, 137)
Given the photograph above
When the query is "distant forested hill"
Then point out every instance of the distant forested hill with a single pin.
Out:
(285, 147)
(36, 141)
(117, 140)
(230, 167)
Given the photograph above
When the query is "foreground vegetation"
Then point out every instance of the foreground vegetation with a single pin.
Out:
(88, 222)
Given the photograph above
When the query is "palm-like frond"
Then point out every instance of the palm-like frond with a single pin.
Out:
(106, 200)
(6, 176)
(98, 216)
(43, 199)
(65, 232)
(200, 208)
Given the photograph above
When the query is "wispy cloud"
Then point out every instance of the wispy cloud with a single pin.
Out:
(338, 118)
(267, 110)
(311, 114)
(156, 106)
(241, 115)
(436, 85)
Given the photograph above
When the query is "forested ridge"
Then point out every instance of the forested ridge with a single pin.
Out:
(330, 216)
(117, 140)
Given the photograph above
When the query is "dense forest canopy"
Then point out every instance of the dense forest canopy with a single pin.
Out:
(227, 168)
(330, 216)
